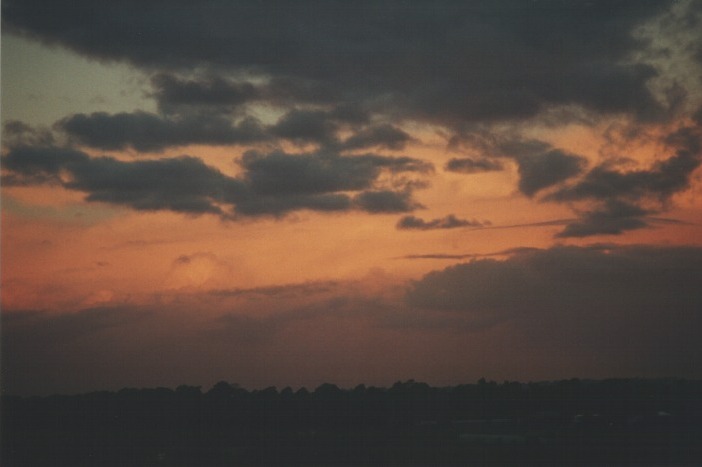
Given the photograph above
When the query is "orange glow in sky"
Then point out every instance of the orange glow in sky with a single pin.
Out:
(352, 204)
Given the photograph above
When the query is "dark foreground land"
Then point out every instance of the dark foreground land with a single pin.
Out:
(573, 422)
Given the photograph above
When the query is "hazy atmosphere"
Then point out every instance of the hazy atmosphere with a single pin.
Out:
(292, 193)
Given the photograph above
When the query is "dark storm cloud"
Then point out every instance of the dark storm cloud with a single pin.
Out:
(540, 165)
(697, 116)
(627, 309)
(539, 171)
(604, 300)
(287, 90)
(148, 132)
(45, 162)
(622, 201)
(686, 139)
(15, 132)
(173, 93)
(183, 184)
(188, 118)
(448, 222)
(447, 61)
(472, 165)
(273, 184)
(321, 127)
(608, 199)
(281, 173)
(613, 218)
(306, 126)
(660, 181)
(350, 113)
(566, 279)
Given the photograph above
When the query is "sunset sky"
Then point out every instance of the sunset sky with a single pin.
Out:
(291, 193)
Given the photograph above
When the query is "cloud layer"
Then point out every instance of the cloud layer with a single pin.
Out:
(331, 80)
(274, 183)
(448, 61)
(147, 132)
(623, 200)
(578, 119)
(636, 302)
(595, 311)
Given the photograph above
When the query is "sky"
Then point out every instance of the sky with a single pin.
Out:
(291, 193)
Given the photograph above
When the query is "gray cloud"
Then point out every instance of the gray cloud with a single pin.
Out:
(351, 113)
(498, 60)
(345, 68)
(606, 300)
(306, 126)
(540, 165)
(321, 127)
(608, 199)
(567, 279)
(660, 181)
(185, 121)
(281, 173)
(473, 165)
(612, 218)
(175, 94)
(697, 116)
(15, 133)
(183, 184)
(275, 183)
(539, 171)
(626, 200)
(30, 165)
(148, 132)
(448, 222)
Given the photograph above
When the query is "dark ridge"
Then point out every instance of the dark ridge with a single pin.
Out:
(614, 421)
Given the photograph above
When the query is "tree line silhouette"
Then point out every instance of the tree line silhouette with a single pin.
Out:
(409, 423)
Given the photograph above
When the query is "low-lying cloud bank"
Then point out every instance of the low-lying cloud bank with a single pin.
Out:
(597, 311)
